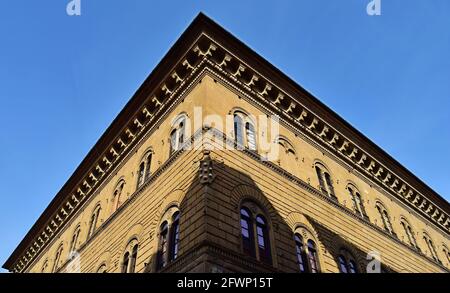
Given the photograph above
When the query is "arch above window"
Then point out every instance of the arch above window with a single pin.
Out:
(431, 247)
(179, 131)
(93, 222)
(286, 144)
(244, 127)
(130, 256)
(385, 218)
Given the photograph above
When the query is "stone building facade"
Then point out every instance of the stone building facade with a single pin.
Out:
(164, 192)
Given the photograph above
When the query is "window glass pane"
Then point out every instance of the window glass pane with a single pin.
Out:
(238, 130)
(342, 264)
(352, 267)
(312, 256)
(250, 136)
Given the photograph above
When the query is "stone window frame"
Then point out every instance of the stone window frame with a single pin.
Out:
(58, 256)
(180, 126)
(385, 216)
(432, 252)
(75, 239)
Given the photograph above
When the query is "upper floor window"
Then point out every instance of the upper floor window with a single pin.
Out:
(144, 168)
(357, 201)
(130, 257)
(169, 238)
(177, 134)
(347, 263)
(255, 224)
(117, 198)
(409, 233)
(431, 248)
(74, 242)
(244, 130)
(385, 218)
(325, 181)
(94, 219)
(58, 256)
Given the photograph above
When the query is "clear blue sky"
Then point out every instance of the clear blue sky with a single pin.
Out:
(64, 79)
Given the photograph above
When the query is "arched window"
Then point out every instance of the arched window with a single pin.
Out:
(244, 131)
(58, 256)
(117, 198)
(102, 269)
(74, 242)
(94, 219)
(255, 224)
(431, 248)
(325, 181)
(169, 238)
(144, 169)
(357, 201)
(385, 219)
(312, 256)
(130, 257)
(287, 155)
(177, 135)
(301, 254)
(409, 233)
(347, 264)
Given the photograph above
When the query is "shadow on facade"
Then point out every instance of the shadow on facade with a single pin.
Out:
(210, 228)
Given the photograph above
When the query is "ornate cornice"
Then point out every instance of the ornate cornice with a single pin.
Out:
(175, 77)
